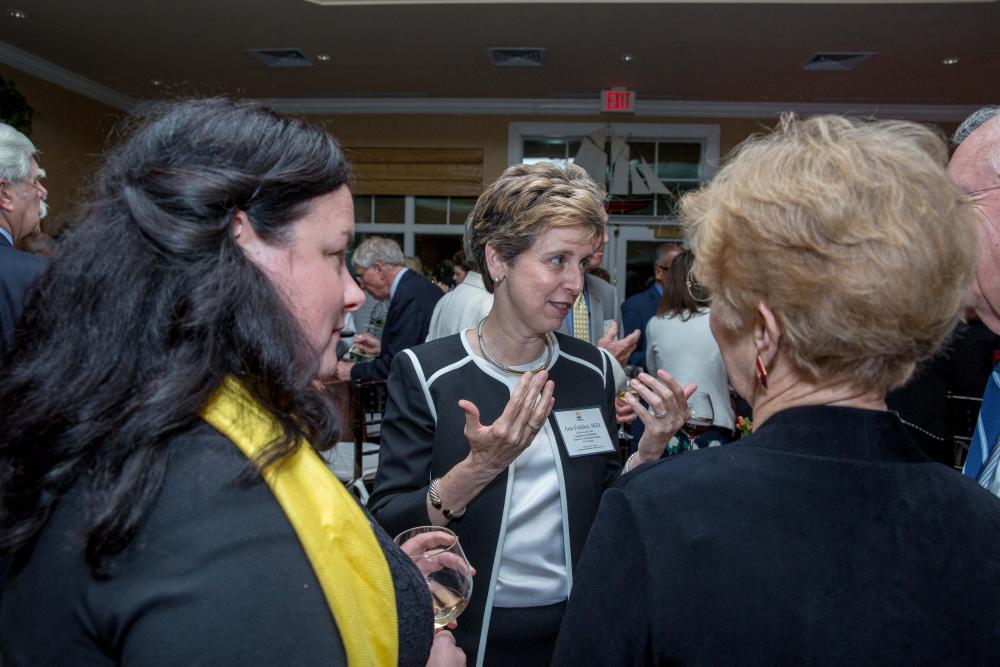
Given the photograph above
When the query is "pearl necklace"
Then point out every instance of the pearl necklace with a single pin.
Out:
(505, 367)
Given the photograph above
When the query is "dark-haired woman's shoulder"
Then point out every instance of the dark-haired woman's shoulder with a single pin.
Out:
(215, 574)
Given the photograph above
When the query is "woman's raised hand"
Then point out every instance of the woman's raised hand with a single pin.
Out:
(666, 414)
(492, 448)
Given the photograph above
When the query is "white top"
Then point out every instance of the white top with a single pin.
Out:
(533, 570)
(688, 351)
(461, 308)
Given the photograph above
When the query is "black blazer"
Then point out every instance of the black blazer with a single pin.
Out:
(422, 438)
(637, 310)
(406, 324)
(18, 270)
(827, 537)
(215, 575)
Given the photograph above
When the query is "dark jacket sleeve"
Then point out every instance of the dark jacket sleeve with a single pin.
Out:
(606, 618)
(636, 312)
(399, 499)
(614, 469)
(18, 271)
(406, 326)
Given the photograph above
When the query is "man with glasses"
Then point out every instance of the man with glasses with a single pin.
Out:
(975, 168)
(639, 308)
(378, 265)
(22, 207)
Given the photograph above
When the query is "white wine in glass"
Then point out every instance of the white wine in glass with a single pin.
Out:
(439, 557)
(631, 372)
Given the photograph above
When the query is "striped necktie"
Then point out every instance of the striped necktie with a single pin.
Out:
(581, 319)
(984, 455)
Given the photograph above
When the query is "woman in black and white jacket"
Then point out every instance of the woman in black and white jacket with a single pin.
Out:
(506, 432)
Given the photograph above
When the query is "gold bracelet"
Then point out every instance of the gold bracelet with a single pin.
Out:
(435, 498)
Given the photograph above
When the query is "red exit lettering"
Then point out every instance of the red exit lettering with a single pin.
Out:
(617, 100)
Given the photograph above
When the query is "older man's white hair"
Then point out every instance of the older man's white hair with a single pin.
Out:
(378, 249)
(989, 114)
(16, 152)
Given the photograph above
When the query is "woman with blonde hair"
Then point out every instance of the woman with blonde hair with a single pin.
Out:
(505, 431)
(836, 251)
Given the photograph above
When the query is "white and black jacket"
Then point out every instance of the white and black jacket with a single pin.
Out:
(422, 439)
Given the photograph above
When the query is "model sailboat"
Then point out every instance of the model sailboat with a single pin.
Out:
(627, 177)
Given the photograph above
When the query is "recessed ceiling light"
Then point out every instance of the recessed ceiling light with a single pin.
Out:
(627, 58)
(323, 57)
(156, 82)
(17, 13)
(950, 61)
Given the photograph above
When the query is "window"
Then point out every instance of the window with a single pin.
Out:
(676, 158)
(379, 209)
(430, 228)
(442, 210)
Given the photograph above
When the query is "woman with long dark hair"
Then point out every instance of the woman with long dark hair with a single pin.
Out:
(161, 496)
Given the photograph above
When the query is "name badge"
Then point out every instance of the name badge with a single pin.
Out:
(584, 432)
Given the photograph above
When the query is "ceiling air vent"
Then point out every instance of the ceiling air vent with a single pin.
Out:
(837, 62)
(517, 57)
(281, 57)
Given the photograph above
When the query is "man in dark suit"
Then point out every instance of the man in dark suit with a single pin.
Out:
(22, 206)
(378, 263)
(597, 306)
(639, 308)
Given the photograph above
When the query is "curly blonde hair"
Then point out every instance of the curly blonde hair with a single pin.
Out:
(850, 231)
(527, 201)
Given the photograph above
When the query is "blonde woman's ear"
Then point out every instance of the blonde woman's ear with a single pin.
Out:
(767, 334)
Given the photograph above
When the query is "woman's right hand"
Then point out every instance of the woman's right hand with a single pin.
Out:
(492, 448)
(444, 651)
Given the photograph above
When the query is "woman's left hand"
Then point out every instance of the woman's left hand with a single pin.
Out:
(665, 415)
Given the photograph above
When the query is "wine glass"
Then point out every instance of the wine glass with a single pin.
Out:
(701, 415)
(631, 372)
(439, 557)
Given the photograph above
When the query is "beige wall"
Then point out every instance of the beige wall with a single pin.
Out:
(489, 132)
(70, 131)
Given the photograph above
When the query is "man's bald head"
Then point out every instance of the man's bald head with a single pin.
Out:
(975, 168)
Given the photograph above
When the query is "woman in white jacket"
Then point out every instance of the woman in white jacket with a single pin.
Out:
(679, 341)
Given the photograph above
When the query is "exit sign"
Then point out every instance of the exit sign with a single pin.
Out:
(618, 100)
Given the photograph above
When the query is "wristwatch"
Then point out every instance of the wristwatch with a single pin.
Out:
(435, 498)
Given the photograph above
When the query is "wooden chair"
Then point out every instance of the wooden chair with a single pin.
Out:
(359, 409)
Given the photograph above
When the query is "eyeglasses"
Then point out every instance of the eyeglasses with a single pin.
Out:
(980, 191)
(696, 290)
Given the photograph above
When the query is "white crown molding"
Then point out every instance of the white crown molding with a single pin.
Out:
(670, 108)
(62, 77)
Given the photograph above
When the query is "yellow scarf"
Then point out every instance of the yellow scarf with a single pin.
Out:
(333, 529)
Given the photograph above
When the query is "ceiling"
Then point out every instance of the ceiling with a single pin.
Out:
(701, 51)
